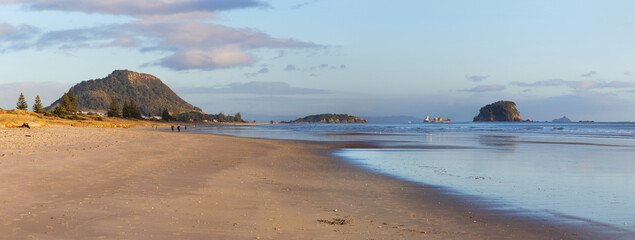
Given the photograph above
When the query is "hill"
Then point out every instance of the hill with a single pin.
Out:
(149, 93)
(501, 111)
(329, 118)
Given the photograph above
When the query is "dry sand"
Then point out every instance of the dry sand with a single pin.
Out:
(81, 183)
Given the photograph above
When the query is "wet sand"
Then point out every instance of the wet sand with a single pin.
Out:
(81, 183)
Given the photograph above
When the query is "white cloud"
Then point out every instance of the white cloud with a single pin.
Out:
(190, 45)
(589, 74)
(582, 85)
(144, 9)
(261, 88)
(486, 88)
(176, 27)
(476, 78)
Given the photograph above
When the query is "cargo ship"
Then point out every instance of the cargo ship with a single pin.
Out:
(436, 120)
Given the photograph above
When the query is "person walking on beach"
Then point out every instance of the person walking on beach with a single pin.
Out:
(178, 128)
(185, 127)
(172, 128)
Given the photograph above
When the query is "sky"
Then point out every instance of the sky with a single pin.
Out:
(283, 59)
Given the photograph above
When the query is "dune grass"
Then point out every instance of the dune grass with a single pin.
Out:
(15, 118)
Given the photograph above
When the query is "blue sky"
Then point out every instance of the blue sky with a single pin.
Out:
(285, 59)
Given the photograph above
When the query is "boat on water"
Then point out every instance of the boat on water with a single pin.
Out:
(436, 120)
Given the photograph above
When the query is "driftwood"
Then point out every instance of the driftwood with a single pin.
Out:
(25, 125)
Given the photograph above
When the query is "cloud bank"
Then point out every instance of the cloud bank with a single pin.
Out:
(259, 88)
(177, 28)
(582, 85)
(486, 88)
(476, 78)
(144, 9)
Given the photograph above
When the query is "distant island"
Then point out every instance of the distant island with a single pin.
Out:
(328, 118)
(561, 120)
(501, 111)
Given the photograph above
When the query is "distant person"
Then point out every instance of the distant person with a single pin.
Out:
(172, 128)
(185, 127)
(178, 128)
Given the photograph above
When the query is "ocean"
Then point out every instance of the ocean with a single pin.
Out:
(579, 173)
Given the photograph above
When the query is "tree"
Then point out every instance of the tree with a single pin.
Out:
(125, 111)
(62, 109)
(113, 110)
(72, 101)
(238, 118)
(130, 110)
(21, 103)
(166, 115)
(37, 107)
(134, 110)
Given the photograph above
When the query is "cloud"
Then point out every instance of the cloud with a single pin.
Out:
(290, 68)
(303, 4)
(6, 29)
(263, 70)
(143, 9)
(485, 88)
(178, 28)
(319, 67)
(589, 74)
(543, 83)
(261, 88)
(476, 78)
(582, 85)
(190, 45)
(15, 37)
(628, 74)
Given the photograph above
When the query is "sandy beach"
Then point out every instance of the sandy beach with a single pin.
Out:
(85, 183)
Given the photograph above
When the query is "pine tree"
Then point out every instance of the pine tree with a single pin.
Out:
(125, 111)
(113, 110)
(238, 118)
(21, 103)
(134, 110)
(166, 115)
(37, 107)
(62, 109)
(72, 101)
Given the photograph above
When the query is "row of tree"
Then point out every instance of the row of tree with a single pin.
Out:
(22, 105)
(129, 110)
(68, 106)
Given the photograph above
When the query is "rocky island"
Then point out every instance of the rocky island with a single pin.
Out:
(329, 118)
(501, 111)
(561, 120)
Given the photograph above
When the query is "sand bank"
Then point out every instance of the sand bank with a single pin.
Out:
(80, 183)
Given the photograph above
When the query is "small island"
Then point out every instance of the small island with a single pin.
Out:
(328, 118)
(561, 120)
(501, 111)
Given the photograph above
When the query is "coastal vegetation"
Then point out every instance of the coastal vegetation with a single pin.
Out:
(21, 103)
(501, 111)
(16, 118)
(329, 118)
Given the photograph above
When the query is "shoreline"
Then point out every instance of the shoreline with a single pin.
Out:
(140, 183)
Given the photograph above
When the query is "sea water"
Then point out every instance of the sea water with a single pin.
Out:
(576, 172)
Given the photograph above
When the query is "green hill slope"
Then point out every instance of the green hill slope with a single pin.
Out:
(150, 94)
